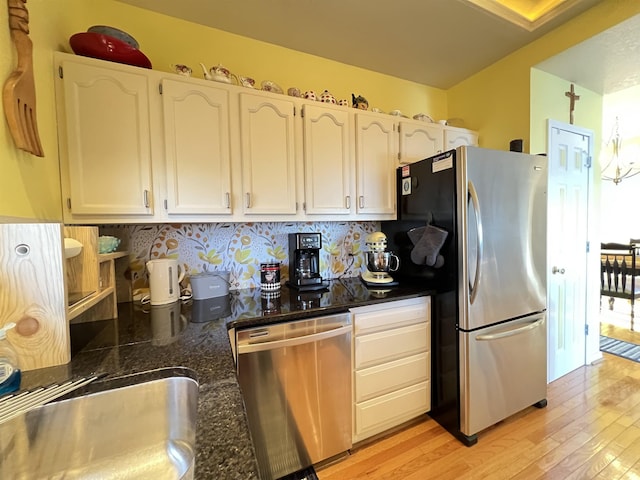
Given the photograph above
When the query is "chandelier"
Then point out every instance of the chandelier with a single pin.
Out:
(618, 166)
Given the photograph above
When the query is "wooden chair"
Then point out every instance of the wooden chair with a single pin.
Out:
(620, 267)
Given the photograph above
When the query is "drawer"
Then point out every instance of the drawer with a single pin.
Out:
(385, 316)
(388, 377)
(381, 347)
(385, 412)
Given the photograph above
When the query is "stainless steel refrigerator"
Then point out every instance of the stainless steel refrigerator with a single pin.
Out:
(482, 214)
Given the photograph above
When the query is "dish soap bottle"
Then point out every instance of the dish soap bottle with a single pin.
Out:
(9, 371)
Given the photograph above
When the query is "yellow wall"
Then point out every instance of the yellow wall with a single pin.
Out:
(495, 101)
(548, 101)
(29, 186)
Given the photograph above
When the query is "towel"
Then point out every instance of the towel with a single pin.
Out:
(427, 243)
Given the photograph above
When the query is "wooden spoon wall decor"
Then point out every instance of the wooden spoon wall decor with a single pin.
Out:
(19, 94)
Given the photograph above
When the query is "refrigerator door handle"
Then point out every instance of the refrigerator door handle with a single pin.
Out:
(473, 198)
(511, 333)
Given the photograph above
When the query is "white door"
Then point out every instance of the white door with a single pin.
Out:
(568, 195)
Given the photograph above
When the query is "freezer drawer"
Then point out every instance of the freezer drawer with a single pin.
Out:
(503, 371)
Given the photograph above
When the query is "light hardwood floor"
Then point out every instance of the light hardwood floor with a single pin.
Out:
(589, 430)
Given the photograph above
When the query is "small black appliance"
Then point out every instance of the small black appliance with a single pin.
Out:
(304, 261)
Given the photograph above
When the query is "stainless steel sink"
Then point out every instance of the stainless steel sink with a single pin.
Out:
(140, 431)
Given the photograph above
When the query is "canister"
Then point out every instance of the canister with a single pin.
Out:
(270, 276)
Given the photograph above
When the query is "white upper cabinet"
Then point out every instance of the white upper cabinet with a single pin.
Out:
(419, 140)
(105, 140)
(457, 137)
(268, 155)
(328, 161)
(376, 150)
(142, 146)
(196, 141)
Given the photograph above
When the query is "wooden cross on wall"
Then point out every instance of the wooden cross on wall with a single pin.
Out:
(573, 98)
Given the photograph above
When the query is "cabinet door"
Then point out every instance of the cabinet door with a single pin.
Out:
(108, 140)
(327, 160)
(456, 137)
(196, 127)
(268, 155)
(375, 163)
(418, 141)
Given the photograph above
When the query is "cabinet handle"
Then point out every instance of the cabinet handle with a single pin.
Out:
(348, 202)
(361, 201)
(146, 199)
(228, 199)
(248, 200)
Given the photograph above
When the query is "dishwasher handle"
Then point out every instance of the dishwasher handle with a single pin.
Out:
(290, 342)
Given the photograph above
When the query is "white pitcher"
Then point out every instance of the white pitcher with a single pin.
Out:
(164, 280)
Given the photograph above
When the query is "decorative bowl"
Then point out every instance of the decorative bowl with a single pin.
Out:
(105, 47)
(107, 244)
(116, 33)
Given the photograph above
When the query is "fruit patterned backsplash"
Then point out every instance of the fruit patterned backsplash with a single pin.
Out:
(240, 248)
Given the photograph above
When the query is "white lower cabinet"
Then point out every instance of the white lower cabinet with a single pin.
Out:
(392, 365)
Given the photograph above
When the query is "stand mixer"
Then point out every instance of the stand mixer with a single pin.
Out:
(378, 261)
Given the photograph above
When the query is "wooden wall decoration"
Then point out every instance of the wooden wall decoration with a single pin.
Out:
(19, 94)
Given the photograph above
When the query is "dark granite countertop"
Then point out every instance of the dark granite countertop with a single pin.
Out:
(194, 335)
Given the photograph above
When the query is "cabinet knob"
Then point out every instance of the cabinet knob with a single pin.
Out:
(348, 202)
(228, 199)
(248, 200)
(361, 201)
(146, 199)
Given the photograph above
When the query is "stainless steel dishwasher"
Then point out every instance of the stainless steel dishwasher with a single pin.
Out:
(296, 383)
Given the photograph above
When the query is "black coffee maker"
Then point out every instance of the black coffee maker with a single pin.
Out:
(304, 261)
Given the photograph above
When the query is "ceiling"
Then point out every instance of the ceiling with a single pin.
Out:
(432, 42)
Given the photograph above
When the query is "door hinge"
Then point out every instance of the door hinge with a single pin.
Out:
(301, 111)
(160, 88)
(586, 329)
(294, 110)
(589, 161)
(60, 72)
(588, 246)
(69, 203)
(166, 204)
